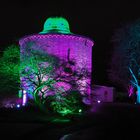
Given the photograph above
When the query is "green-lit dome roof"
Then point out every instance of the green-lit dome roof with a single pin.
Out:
(56, 25)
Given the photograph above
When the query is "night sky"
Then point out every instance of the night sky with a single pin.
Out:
(94, 19)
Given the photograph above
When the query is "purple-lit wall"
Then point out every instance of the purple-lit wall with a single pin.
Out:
(103, 93)
(78, 48)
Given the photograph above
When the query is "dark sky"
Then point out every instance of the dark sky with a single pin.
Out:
(95, 19)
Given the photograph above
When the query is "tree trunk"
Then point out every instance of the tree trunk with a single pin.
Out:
(138, 94)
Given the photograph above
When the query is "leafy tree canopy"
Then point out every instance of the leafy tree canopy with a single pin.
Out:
(9, 69)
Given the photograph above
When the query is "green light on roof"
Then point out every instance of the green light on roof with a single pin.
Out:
(56, 25)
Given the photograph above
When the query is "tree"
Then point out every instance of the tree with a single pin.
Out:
(36, 75)
(125, 64)
(9, 69)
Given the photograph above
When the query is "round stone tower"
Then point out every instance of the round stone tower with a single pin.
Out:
(74, 50)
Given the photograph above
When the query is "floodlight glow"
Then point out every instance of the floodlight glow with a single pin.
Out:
(24, 91)
(24, 99)
(98, 101)
(80, 110)
(18, 105)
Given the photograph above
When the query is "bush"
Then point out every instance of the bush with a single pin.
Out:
(65, 103)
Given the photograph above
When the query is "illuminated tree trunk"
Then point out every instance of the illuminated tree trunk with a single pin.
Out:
(138, 94)
(135, 84)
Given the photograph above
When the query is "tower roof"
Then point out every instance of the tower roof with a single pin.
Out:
(56, 28)
(56, 25)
